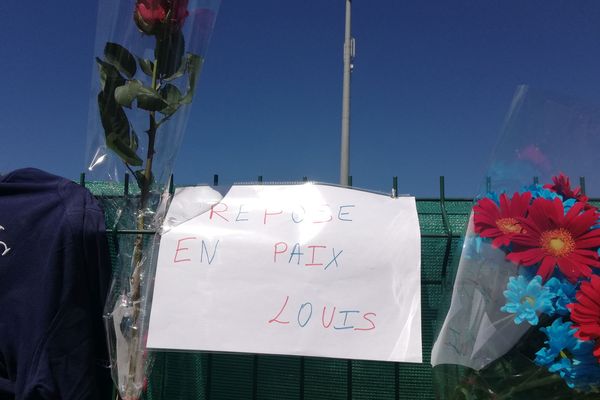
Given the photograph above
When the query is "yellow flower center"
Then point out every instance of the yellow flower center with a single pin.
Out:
(508, 225)
(565, 354)
(528, 299)
(557, 242)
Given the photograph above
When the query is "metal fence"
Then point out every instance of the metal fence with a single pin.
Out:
(220, 376)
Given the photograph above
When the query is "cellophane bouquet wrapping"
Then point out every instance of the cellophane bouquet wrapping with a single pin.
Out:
(523, 320)
(148, 58)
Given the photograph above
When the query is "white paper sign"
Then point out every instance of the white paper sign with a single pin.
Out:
(306, 269)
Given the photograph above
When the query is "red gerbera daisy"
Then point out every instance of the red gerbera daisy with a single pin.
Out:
(500, 223)
(585, 312)
(562, 186)
(552, 239)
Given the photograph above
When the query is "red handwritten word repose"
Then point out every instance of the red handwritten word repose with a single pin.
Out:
(299, 214)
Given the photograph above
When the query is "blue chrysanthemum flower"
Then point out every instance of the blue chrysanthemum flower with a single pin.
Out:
(538, 191)
(585, 376)
(567, 204)
(572, 359)
(525, 298)
(563, 293)
(495, 197)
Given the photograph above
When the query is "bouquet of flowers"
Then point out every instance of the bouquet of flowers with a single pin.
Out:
(552, 233)
(524, 319)
(147, 75)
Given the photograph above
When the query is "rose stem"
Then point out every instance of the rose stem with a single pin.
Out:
(139, 240)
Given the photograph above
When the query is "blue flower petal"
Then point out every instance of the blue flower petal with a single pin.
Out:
(572, 359)
(526, 298)
(563, 293)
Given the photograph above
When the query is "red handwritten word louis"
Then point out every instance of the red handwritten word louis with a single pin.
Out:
(354, 320)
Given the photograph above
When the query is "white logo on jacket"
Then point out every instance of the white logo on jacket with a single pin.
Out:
(6, 248)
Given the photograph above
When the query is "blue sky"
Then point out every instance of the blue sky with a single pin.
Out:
(432, 82)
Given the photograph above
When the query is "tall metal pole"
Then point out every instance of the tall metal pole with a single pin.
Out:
(348, 56)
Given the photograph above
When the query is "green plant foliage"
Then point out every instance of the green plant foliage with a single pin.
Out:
(146, 66)
(121, 58)
(172, 95)
(147, 98)
(140, 178)
(169, 51)
(120, 138)
(194, 65)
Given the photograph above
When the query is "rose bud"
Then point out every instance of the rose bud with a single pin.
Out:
(149, 15)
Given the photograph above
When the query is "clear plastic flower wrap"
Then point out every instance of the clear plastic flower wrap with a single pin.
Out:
(523, 320)
(149, 54)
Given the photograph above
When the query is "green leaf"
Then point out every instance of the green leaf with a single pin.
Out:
(147, 98)
(127, 154)
(133, 140)
(172, 95)
(112, 116)
(140, 178)
(194, 65)
(146, 66)
(119, 137)
(169, 52)
(110, 78)
(151, 101)
(126, 94)
(182, 69)
(121, 58)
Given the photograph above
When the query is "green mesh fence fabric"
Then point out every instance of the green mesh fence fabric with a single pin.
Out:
(214, 376)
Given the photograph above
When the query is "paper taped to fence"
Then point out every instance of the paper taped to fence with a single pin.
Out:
(307, 269)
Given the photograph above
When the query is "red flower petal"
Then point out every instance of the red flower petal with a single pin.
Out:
(527, 257)
(585, 312)
(500, 222)
(563, 240)
(546, 268)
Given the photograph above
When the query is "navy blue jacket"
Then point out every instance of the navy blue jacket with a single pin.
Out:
(54, 275)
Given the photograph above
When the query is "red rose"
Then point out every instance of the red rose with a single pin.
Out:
(156, 16)
(149, 15)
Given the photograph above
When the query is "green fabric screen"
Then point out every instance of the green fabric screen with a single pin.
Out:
(218, 376)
